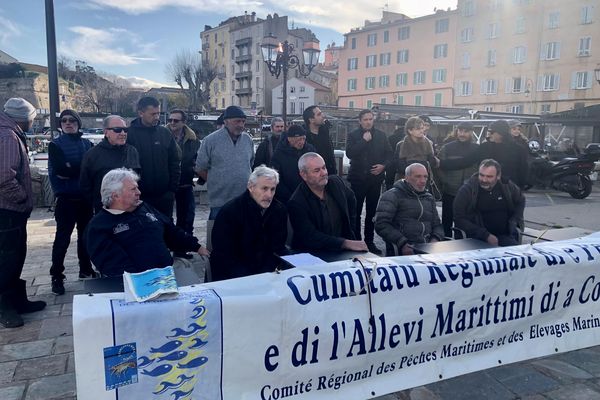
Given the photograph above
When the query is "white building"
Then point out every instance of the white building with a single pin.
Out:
(301, 93)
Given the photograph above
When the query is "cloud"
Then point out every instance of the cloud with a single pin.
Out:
(8, 30)
(336, 15)
(137, 82)
(105, 47)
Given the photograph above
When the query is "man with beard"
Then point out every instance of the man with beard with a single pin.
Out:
(370, 153)
(490, 208)
(265, 150)
(160, 157)
(317, 134)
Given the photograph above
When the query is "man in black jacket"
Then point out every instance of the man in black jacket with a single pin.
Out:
(250, 231)
(266, 149)
(160, 157)
(317, 134)
(112, 152)
(489, 208)
(322, 210)
(129, 235)
(285, 161)
(370, 154)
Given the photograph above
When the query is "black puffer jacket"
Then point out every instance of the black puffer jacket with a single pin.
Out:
(160, 158)
(285, 161)
(469, 219)
(406, 216)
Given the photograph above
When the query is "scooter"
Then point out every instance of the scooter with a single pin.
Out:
(571, 174)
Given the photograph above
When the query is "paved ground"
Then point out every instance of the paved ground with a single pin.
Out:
(36, 361)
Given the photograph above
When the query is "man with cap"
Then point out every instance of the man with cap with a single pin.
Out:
(370, 154)
(517, 134)
(285, 160)
(225, 160)
(458, 161)
(511, 156)
(16, 203)
(264, 152)
(160, 157)
(65, 154)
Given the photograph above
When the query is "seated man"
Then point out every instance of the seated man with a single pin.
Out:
(250, 231)
(406, 214)
(489, 208)
(128, 235)
(322, 210)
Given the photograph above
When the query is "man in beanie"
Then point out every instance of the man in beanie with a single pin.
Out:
(285, 161)
(65, 154)
(501, 147)
(16, 204)
(225, 160)
(160, 156)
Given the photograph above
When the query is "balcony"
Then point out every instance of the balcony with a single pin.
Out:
(243, 58)
(243, 75)
(243, 91)
(243, 42)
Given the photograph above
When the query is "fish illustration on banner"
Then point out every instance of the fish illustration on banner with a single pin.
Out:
(172, 353)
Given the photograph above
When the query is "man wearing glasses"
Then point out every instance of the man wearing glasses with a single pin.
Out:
(65, 154)
(112, 152)
(185, 206)
(160, 157)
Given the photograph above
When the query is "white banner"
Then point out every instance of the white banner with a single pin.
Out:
(342, 330)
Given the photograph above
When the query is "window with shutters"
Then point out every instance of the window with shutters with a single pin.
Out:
(442, 25)
(551, 51)
(352, 63)
(585, 44)
(518, 54)
(404, 33)
(401, 79)
(371, 61)
(384, 81)
(419, 78)
(384, 58)
(439, 75)
(466, 35)
(372, 40)
(402, 56)
(440, 51)
(370, 82)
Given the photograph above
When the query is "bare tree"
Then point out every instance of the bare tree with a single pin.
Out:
(193, 75)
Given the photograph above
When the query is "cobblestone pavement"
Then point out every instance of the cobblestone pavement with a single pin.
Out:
(36, 361)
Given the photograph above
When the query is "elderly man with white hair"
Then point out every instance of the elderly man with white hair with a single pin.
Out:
(16, 203)
(250, 231)
(129, 235)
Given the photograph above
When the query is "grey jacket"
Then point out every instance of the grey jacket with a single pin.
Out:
(406, 216)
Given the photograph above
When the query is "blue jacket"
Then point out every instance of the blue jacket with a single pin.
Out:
(65, 154)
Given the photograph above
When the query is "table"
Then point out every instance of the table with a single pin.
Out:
(332, 256)
(449, 246)
(551, 235)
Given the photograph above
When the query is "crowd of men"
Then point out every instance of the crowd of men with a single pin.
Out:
(121, 194)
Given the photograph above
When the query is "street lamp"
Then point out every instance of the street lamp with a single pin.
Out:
(280, 57)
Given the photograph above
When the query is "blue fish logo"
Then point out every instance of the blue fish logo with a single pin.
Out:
(199, 311)
(158, 371)
(197, 301)
(169, 386)
(144, 361)
(177, 355)
(196, 362)
(179, 332)
(179, 394)
(167, 347)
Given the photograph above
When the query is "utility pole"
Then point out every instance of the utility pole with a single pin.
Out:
(52, 66)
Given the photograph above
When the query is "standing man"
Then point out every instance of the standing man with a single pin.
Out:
(65, 154)
(317, 134)
(250, 230)
(458, 161)
(225, 160)
(490, 208)
(189, 144)
(112, 152)
(16, 203)
(370, 153)
(322, 210)
(406, 214)
(160, 157)
(264, 152)
(285, 160)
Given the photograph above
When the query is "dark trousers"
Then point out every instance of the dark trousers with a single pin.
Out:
(447, 214)
(185, 208)
(366, 192)
(70, 212)
(13, 249)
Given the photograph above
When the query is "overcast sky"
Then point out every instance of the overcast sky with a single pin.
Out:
(135, 39)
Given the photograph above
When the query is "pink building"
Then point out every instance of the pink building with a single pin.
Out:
(399, 60)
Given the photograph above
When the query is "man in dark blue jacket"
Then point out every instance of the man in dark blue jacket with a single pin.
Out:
(322, 210)
(285, 160)
(65, 154)
(160, 157)
(370, 154)
(129, 235)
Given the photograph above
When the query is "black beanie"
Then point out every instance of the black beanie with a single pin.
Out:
(73, 114)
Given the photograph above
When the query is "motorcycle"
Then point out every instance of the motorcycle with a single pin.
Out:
(570, 175)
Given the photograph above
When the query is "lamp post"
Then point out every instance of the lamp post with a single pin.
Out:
(280, 57)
